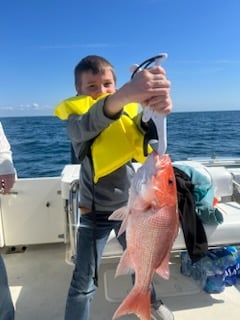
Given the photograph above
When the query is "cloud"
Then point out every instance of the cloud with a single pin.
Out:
(6, 108)
(222, 61)
(35, 105)
(209, 62)
(75, 46)
(32, 109)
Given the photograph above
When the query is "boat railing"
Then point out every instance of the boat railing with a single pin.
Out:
(73, 217)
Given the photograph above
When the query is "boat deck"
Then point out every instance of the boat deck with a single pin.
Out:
(40, 276)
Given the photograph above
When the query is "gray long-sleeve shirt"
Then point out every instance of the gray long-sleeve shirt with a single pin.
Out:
(111, 191)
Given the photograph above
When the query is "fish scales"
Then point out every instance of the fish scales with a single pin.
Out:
(151, 223)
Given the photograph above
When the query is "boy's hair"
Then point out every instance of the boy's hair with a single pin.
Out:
(92, 63)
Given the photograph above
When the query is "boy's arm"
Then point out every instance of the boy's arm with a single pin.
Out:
(82, 129)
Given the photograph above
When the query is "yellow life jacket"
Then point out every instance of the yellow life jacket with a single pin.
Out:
(120, 142)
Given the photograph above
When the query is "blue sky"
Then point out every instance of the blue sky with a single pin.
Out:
(42, 40)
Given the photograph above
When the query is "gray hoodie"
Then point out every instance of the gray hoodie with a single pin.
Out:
(110, 192)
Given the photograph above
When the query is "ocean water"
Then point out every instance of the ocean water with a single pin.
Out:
(41, 147)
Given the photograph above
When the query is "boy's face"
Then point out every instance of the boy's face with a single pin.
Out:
(95, 85)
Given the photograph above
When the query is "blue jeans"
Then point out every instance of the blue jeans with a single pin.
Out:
(92, 236)
(6, 305)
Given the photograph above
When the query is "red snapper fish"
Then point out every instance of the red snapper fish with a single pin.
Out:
(151, 223)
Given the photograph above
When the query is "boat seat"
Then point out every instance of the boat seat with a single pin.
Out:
(222, 181)
(217, 176)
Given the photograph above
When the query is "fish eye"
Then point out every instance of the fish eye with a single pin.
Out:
(170, 180)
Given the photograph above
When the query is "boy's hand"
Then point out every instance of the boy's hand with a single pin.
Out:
(157, 90)
(148, 87)
(151, 88)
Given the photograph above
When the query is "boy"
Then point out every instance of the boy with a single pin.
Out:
(106, 168)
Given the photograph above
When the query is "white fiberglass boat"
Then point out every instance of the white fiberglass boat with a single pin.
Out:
(37, 238)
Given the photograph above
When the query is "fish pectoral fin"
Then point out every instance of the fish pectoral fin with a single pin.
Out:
(123, 226)
(136, 302)
(119, 214)
(125, 265)
(163, 269)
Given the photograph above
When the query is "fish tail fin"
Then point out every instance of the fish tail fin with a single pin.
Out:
(136, 302)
